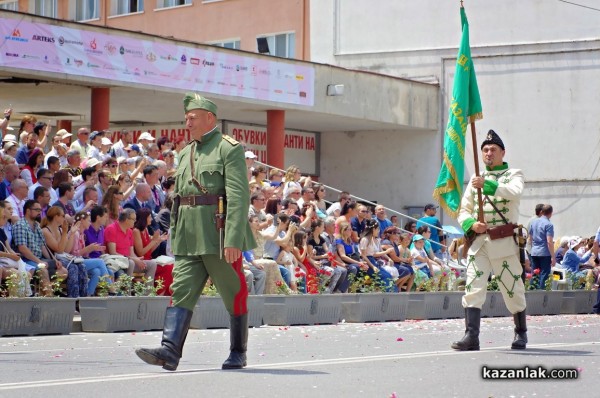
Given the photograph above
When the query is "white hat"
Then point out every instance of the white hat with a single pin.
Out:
(146, 136)
(250, 155)
(575, 240)
(106, 141)
(9, 137)
(62, 133)
(8, 144)
(92, 162)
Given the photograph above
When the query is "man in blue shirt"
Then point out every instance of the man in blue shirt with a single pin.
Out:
(23, 153)
(541, 235)
(381, 218)
(429, 218)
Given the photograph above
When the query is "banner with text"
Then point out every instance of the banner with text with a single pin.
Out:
(58, 49)
(301, 148)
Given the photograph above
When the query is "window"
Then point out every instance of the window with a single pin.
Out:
(282, 45)
(233, 44)
(45, 8)
(120, 7)
(171, 3)
(86, 9)
(10, 5)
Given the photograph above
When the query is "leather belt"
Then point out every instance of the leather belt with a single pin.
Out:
(199, 200)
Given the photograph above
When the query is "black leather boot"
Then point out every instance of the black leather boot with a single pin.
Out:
(177, 324)
(520, 341)
(470, 341)
(239, 342)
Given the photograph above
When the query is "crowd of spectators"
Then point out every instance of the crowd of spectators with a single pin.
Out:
(78, 209)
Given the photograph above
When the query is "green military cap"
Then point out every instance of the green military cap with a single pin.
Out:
(196, 101)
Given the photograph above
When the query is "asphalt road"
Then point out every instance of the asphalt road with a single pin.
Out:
(401, 359)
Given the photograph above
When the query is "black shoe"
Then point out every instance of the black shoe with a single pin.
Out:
(239, 342)
(470, 341)
(520, 341)
(177, 324)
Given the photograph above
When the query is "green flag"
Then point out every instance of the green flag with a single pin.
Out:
(465, 107)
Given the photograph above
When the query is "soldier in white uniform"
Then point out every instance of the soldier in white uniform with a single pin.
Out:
(495, 248)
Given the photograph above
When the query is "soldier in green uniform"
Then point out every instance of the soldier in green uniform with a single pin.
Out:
(210, 181)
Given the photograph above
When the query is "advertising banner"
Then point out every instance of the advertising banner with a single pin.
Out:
(58, 49)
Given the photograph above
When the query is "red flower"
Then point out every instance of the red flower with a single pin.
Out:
(536, 271)
(298, 275)
(278, 283)
(528, 275)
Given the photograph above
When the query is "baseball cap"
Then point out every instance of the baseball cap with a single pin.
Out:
(418, 237)
(430, 206)
(133, 147)
(106, 141)
(250, 155)
(575, 240)
(62, 133)
(95, 134)
(146, 136)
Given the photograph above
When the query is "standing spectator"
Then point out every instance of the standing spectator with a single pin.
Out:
(541, 235)
(11, 172)
(538, 214)
(293, 179)
(80, 144)
(429, 218)
(382, 219)
(24, 152)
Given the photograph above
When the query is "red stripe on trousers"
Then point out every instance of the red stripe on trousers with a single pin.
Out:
(240, 306)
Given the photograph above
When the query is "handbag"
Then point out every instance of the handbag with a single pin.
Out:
(6, 262)
(67, 258)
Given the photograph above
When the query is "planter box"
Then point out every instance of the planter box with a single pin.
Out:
(210, 313)
(374, 307)
(309, 309)
(36, 316)
(578, 301)
(113, 314)
(435, 305)
(494, 305)
(542, 302)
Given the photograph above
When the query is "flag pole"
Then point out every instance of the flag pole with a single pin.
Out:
(476, 159)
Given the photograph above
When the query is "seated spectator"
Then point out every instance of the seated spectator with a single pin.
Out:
(370, 250)
(95, 267)
(112, 200)
(8, 257)
(74, 163)
(256, 259)
(343, 251)
(24, 152)
(320, 249)
(572, 261)
(145, 246)
(157, 196)
(276, 177)
(118, 238)
(273, 238)
(53, 164)
(273, 206)
(44, 179)
(28, 240)
(307, 196)
(17, 198)
(105, 180)
(59, 150)
(94, 234)
(59, 177)
(163, 218)
(381, 218)
(89, 178)
(402, 260)
(59, 240)
(42, 196)
(10, 149)
(66, 192)
(424, 265)
(257, 205)
(319, 200)
(34, 162)
(169, 158)
(259, 176)
(143, 193)
(411, 227)
(562, 249)
(336, 208)
(11, 173)
(311, 269)
(293, 179)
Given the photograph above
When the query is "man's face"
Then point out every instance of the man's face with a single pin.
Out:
(97, 141)
(32, 141)
(126, 137)
(44, 200)
(152, 178)
(93, 196)
(492, 155)
(199, 122)
(93, 179)
(46, 180)
(34, 212)
(380, 211)
(309, 194)
(75, 160)
(154, 153)
(259, 202)
(362, 212)
(144, 195)
(21, 192)
(83, 135)
(55, 141)
(70, 194)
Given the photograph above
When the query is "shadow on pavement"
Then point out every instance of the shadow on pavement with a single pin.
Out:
(549, 352)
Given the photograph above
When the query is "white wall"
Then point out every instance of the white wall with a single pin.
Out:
(538, 69)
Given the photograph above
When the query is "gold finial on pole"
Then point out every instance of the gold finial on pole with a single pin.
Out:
(461, 4)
